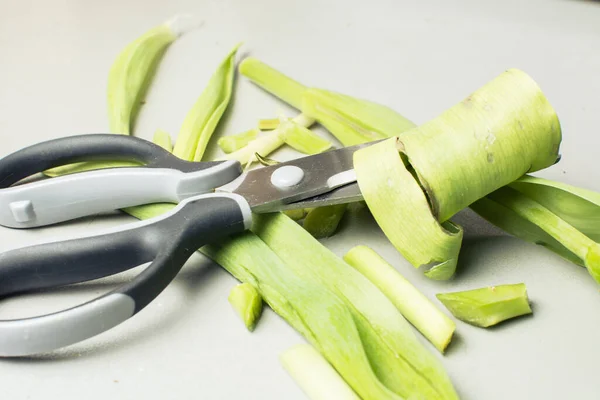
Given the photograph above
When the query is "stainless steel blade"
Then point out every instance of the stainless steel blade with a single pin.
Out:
(324, 173)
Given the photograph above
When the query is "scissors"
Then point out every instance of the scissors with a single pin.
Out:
(214, 200)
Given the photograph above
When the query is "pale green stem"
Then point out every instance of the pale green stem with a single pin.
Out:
(323, 221)
(315, 376)
(248, 304)
(413, 304)
(273, 81)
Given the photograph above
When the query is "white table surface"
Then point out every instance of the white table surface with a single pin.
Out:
(417, 57)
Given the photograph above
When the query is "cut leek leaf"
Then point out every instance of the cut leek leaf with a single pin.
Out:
(452, 161)
(353, 121)
(415, 307)
(265, 144)
(315, 376)
(273, 81)
(488, 306)
(303, 139)
(231, 143)
(163, 139)
(387, 185)
(322, 222)
(205, 114)
(268, 124)
(131, 73)
(398, 358)
(296, 214)
(584, 249)
(247, 303)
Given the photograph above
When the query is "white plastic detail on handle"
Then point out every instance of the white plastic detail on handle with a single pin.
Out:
(72, 196)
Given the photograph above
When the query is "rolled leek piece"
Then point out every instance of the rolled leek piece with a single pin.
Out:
(413, 304)
(427, 174)
(322, 222)
(247, 303)
(231, 143)
(315, 376)
(488, 306)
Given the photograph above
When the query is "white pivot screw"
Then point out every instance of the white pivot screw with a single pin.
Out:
(287, 176)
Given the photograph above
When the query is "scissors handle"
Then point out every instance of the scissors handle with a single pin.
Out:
(161, 177)
(166, 241)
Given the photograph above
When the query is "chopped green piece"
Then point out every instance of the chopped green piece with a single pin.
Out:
(231, 143)
(131, 73)
(163, 139)
(415, 307)
(273, 81)
(296, 214)
(315, 376)
(488, 306)
(247, 303)
(322, 222)
(265, 144)
(202, 119)
(268, 124)
(303, 139)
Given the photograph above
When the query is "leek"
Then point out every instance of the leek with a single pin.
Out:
(488, 306)
(248, 304)
(315, 376)
(322, 222)
(422, 177)
(337, 309)
(201, 121)
(415, 307)
(303, 139)
(231, 143)
(265, 144)
(268, 124)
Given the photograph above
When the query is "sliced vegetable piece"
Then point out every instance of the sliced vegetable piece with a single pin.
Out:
(163, 139)
(315, 376)
(273, 81)
(296, 214)
(205, 114)
(488, 306)
(584, 248)
(264, 161)
(415, 307)
(231, 143)
(353, 121)
(268, 124)
(247, 303)
(386, 184)
(464, 154)
(397, 356)
(303, 139)
(322, 222)
(130, 75)
(265, 144)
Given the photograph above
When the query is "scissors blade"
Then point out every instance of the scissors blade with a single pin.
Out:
(325, 179)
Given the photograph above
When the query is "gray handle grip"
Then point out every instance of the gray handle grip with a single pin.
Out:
(164, 178)
(167, 241)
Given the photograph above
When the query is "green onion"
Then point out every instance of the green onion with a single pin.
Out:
(231, 143)
(247, 302)
(415, 307)
(315, 376)
(488, 306)
(163, 139)
(202, 119)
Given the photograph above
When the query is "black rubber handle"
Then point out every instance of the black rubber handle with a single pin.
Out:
(168, 241)
(92, 147)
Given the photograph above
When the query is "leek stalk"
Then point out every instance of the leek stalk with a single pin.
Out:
(247, 303)
(231, 143)
(488, 306)
(413, 305)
